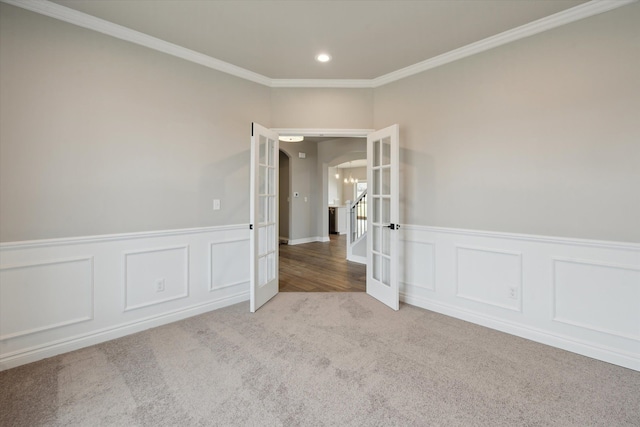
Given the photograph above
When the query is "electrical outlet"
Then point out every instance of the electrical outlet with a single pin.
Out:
(513, 292)
(159, 285)
(216, 204)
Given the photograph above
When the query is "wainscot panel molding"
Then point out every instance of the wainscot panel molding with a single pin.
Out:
(578, 295)
(60, 295)
(489, 276)
(598, 296)
(52, 283)
(154, 276)
(226, 268)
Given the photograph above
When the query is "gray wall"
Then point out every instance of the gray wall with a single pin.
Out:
(102, 136)
(332, 153)
(303, 180)
(317, 109)
(322, 108)
(539, 136)
(334, 193)
(284, 194)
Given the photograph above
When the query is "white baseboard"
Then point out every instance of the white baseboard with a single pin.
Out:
(36, 353)
(357, 258)
(308, 240)
(615, 356)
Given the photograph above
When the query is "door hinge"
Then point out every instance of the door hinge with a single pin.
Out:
(250, 226)
(394, 226)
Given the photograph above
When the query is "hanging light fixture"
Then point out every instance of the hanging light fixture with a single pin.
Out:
(350, 180)
(291, 138)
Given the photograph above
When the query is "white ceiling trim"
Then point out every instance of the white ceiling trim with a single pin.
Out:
(81, 19)
(84, 20)
(573, 14)
(323, 83)
(336, 133)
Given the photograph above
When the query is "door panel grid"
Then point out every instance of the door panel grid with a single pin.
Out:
(266, 225)
(381, 171)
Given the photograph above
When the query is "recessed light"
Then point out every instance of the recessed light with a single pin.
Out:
(291, 138)
(323, 57)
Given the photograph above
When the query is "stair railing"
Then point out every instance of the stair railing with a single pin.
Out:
(358, 218)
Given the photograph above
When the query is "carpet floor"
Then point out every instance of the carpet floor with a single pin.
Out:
(320, 359)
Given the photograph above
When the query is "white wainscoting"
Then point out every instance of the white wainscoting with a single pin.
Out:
(578, 295)
(489, 276)
(155, 276)
(63, 294)
(226, 268)
(60, 292)
(59, 295)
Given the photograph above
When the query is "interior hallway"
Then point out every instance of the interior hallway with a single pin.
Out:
(320, 267)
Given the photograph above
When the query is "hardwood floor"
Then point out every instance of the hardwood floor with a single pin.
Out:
(320, 267)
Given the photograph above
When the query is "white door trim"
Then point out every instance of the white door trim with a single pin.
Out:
(315, 132)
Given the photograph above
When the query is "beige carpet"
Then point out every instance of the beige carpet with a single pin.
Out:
(318, 359)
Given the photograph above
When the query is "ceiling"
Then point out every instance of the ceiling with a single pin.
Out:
(280, 39)
(360, 163)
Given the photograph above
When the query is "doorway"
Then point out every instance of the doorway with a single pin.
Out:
(284, 203)
(382, 254)
(317, 261)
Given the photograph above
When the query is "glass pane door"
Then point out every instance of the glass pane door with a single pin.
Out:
(382, 254)
(264, 216)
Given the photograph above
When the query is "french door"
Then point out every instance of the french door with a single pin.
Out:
(263, 216)
(383, 180)
(382, 219)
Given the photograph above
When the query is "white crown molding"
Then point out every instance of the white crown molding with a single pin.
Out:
(84, 20)
(576, 13)
(323, 83)
(336, 133)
